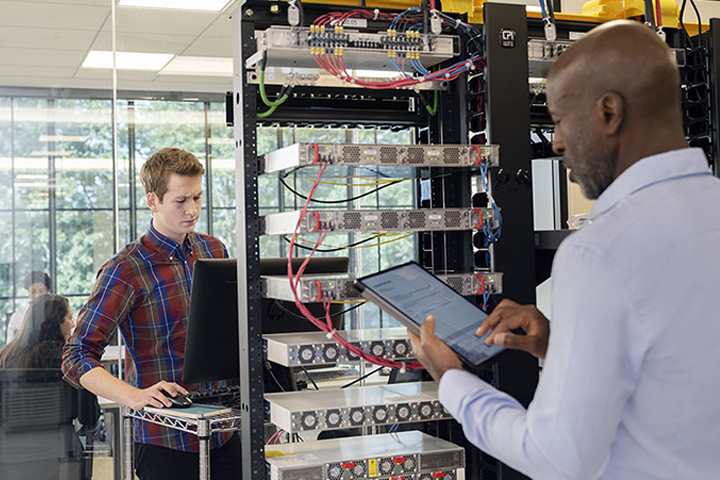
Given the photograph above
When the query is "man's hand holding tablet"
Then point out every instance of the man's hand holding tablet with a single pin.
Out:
(448, 331)
(410, 294)
(509, 315)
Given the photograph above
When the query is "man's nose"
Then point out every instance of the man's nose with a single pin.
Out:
(558, 146)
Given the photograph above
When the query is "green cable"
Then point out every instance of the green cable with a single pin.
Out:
(263, 93)
(271, 110)
(273, 104)
(433, 110)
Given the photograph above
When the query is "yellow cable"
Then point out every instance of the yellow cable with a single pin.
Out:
(359, 246)
(375, 184)
(384, 243)
(325, 245)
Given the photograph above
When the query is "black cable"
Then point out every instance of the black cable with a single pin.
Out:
(422, 99)
(330, 250)
(550, 10)
(426, 16)
(649, 13)
(682, 24)
(699, 20)
(370, 192)
(270, 370)
(301, 12)
(289, 312)
(310, 378)
(358, 197)
(363, 377)
(327, 250)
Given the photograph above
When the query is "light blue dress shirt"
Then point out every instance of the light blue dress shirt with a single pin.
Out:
(630, 388)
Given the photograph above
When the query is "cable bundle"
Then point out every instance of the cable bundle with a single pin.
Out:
(327, 326)
(404, 26)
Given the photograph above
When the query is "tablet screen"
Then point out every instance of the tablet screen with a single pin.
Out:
(416, 294)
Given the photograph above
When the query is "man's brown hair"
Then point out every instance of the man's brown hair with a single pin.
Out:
(155, 173)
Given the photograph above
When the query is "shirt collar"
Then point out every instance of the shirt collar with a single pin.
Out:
(169, 246)
(649, 171)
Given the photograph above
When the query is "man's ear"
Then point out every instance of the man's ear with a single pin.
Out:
(611, 107)
(152, 201)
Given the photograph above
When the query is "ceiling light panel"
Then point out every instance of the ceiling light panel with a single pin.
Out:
(206, 66)
(127, 60)
(206, 5)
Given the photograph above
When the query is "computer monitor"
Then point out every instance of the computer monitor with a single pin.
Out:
(212, 345)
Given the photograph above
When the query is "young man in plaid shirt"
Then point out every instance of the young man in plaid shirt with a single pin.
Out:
(144, 291)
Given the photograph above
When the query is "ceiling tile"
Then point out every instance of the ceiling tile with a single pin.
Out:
(210, 47)
(35, 71)
(143, 42)
(35, 57)
(101, 3)
(52, 15)
(49, 38)
(156, 21)
(222, 27)
(51, 82)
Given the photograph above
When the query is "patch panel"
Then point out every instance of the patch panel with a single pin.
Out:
(294, 47)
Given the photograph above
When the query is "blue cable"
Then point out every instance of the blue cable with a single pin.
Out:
(398, 68)
(419, 67)
(498, 217)
(542, 9)
(395, 21)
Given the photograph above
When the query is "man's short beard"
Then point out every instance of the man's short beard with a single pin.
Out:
(593, 189)
(597, 173)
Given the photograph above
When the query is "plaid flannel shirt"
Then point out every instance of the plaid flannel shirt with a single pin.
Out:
(144, 290)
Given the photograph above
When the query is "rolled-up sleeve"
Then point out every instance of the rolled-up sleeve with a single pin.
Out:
(110, 301)
(592, 364)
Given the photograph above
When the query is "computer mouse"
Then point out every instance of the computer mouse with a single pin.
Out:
(178, 401)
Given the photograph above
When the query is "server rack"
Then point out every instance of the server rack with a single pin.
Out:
(508, 119)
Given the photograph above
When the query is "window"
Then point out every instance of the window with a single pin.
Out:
(56, 188)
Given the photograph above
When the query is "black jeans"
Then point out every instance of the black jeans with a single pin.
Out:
(160, 463)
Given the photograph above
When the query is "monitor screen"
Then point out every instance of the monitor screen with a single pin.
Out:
(212, 349)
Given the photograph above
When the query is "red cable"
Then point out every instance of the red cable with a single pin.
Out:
(658, 13)
(327, 326)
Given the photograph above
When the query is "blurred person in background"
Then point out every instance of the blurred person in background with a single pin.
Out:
(36, 283)
(37, 441)
(40, 339)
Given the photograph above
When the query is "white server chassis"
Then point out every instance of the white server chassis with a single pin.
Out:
(416, 220)
(403, 455)
(292, 47)
(542, 54)
(315, 348)
(355, 407)
(316, 287)
(304, 154)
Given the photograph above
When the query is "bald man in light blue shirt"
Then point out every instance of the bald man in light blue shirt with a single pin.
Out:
(630, 388)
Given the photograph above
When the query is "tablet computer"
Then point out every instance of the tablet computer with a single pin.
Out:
(409, 293)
